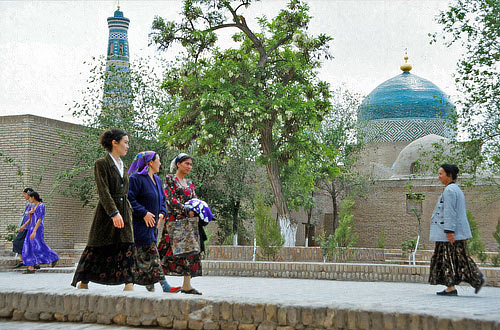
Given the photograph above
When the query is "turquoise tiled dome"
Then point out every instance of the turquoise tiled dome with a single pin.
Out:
(405, 108)
(405, 96)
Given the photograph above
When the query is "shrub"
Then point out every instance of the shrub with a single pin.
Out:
(267, 230)
(475, 245)
(496, 235)
(11, 233)
(381, 240)
(409, 245)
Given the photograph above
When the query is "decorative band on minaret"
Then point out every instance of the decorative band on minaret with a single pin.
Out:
(118, 50)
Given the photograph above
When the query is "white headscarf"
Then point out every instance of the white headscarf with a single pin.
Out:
(173, 164)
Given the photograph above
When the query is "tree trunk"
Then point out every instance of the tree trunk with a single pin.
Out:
(287, 225)
(335, 207)
(236, 208)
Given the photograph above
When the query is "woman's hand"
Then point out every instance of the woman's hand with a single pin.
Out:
(159, 220)
(33, 235)
(31, 211)
(21, 228)
(149, 219)
(118, 220)
(450, 237)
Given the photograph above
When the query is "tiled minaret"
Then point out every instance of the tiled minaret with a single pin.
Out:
(117, 92)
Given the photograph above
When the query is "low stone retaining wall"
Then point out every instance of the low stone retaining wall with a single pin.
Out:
(198, 314)
(331, 271)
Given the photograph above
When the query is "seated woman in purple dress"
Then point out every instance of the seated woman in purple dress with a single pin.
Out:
(35, 251)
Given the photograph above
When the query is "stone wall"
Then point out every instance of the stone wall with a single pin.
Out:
(178, 313)
(38, 146)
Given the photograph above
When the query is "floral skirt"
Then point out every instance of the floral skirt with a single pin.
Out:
(451, 265)
(109, 264)
(185, 266)
(147, 268)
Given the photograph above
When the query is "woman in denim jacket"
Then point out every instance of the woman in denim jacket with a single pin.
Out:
(450, 263)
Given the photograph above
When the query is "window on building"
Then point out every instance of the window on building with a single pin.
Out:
(121, 49)
(110, 52)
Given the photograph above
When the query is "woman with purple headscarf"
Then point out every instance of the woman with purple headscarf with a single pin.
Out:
(149, 208)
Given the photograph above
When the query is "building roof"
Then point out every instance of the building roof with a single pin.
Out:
(405, 96)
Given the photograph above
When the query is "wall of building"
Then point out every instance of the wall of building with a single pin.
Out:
(37, 145)
(384, 211)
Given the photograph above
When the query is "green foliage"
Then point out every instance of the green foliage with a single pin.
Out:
(344, 237)
(496, 235)
(130, 101)
(267, 230)
(266, 87)
(409, 245)
(474, 24)
(11, 233)
(327, 244)
(381, 240)
(475, 245)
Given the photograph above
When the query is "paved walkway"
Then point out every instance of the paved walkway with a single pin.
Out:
(373, 296)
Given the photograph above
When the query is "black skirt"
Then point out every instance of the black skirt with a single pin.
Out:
(18, 242)
(109, 264)
(147, 267)
(451, 265)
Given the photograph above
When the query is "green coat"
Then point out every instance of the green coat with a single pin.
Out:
(112, 190)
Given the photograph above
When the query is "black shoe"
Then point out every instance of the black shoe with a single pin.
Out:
(483, 280)
(53, 264)
(18, 265)
(150, 287)
(446, 293)
(36, 266)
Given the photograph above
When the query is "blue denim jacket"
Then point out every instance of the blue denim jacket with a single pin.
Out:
(450, 214)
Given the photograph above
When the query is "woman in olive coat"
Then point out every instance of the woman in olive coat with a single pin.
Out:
(109, 255)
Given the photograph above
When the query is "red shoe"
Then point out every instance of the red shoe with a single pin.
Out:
(175, 289)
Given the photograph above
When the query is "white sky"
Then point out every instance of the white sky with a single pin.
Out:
(43, 45)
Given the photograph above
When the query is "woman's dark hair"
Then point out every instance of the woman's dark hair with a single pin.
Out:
(27, 190)
(35, 195)
(182, 158)
(451, 170)
(111, 135)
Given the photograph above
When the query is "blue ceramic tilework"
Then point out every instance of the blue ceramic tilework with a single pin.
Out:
(405, 96)
(404, 129)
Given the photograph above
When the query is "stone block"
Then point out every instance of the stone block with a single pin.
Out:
(32, 316)
(267, 325)
(364, 320)
(319, 317)
(442, 324)
(67, 303)
(89, 318)
(60, 317)
(401, 321)
(246, 313)
(228, 325)
(195, 324)
(307, 316)
(75, 317)
(329, 320)
(104, 319)
(6, 312)
(458, 324)
(271, 313)
(282, 316)
(180, 324)
(246, 326)
(165, 321)
(210, 325)
(237, 312)
(147, 306)
(17, 315)
(285, 328)
(133, 320)
(161, 308)
(23, 302)
(414, 322)
(258, 313)
(389, 321)
(351, 319)
(120, 319)
(46, 316)
(226, 311)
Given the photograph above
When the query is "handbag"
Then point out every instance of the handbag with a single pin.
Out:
(184, 237)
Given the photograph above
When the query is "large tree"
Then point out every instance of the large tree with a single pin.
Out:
(266, 86)
(475, 25)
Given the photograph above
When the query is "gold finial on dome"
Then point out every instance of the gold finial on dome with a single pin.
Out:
(405, 67)
(118, 5)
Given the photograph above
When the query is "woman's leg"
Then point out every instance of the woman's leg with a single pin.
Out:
(186, 285)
